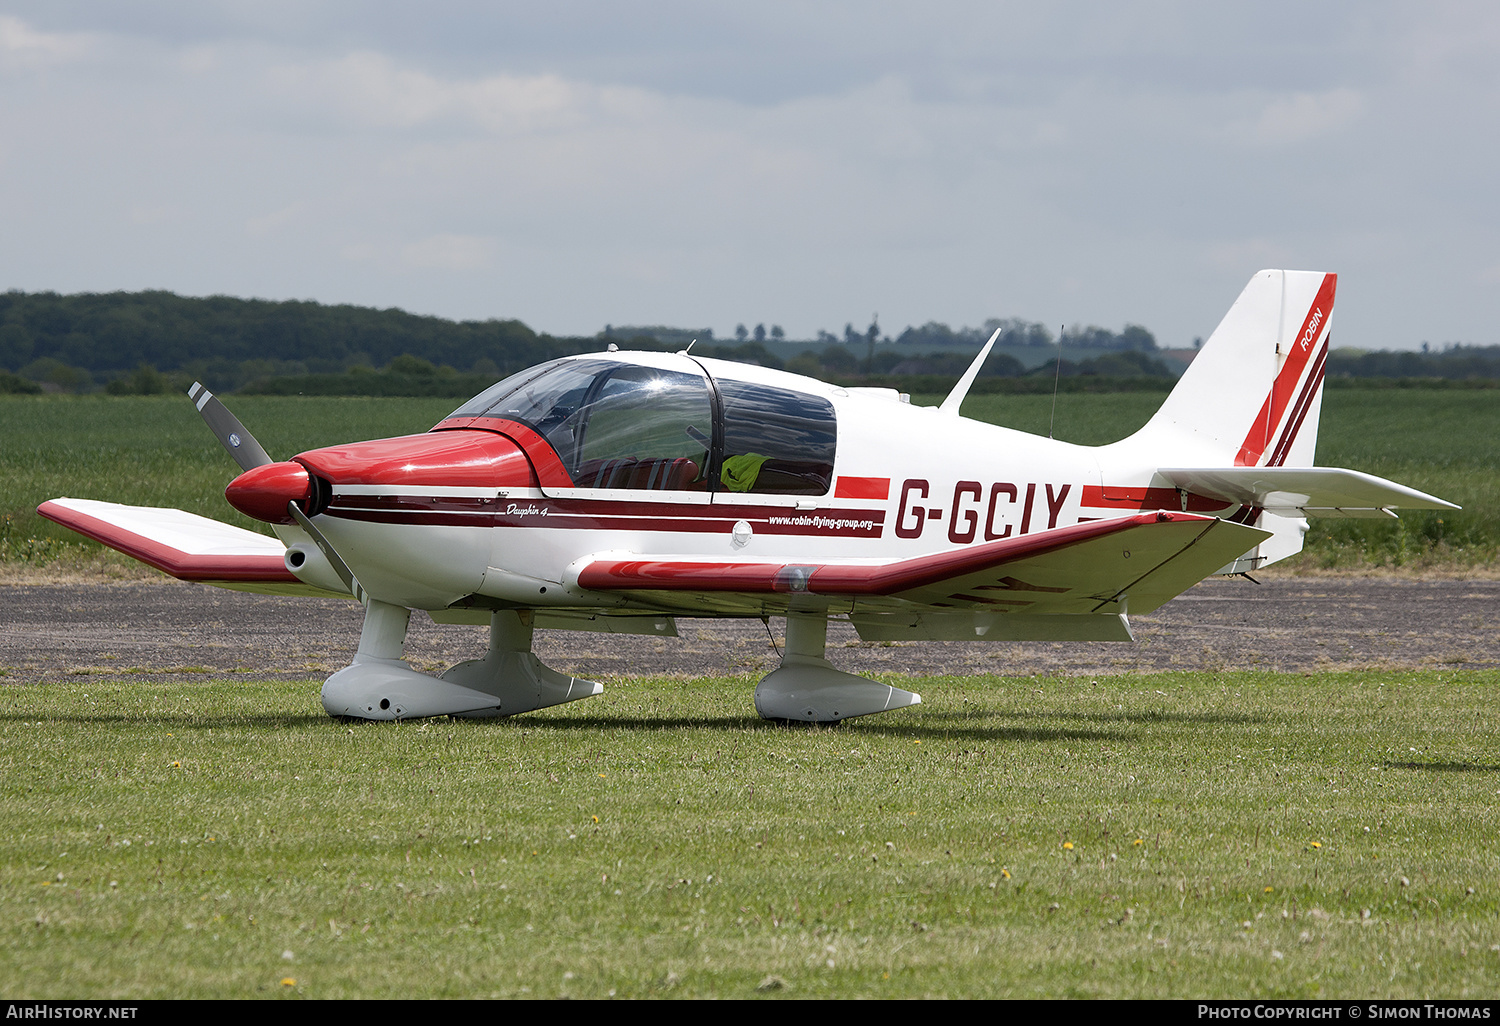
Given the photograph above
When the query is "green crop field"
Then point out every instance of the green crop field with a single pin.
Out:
(153, 450)
(1185, 835)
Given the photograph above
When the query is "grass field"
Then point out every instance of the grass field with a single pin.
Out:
(153, 450)
(1185, 835)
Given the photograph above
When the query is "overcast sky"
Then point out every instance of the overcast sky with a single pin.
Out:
(805, 164)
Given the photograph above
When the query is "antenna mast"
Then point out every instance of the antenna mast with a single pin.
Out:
(1056, 373)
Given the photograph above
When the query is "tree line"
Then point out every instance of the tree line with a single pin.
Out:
(79, 342)
(156, 341)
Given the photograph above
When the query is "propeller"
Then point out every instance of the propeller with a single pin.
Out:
(250, 455)
(242, 446)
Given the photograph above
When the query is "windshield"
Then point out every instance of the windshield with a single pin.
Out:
(479, 405)
(623, 425)
(613, 425)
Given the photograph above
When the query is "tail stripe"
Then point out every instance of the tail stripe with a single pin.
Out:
(1271, 411)
(1299, 412)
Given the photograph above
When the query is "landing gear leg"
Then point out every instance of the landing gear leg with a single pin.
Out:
(514, 675)
(808, 688)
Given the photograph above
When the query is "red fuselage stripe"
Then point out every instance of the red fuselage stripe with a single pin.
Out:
(878, 488)
(584, 514)
(826, 579)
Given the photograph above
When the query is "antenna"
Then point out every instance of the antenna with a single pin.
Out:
(1056, 373)
(956, 397)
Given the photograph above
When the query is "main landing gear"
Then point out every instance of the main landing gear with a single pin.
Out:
(808, 689)
(509, 679)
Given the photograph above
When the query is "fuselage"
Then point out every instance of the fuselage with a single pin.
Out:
(667, 455)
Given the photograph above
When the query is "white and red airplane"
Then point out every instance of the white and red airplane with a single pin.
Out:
(615, 491)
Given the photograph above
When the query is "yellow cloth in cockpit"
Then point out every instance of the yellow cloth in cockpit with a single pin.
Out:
(739, 472)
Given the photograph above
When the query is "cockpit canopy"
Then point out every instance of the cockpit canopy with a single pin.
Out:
(621, 424)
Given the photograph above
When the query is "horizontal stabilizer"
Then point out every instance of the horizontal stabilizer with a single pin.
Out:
(1089, 568)
(182, 544)
(1299, 491)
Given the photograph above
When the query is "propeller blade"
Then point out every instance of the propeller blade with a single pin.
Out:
(228, 430)
(326, 547)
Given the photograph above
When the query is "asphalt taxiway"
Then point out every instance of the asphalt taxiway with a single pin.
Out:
(1286, 624)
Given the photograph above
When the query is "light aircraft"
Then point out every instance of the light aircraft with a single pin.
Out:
(613, 492)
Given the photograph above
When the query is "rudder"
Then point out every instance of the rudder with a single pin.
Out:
(1253, 395)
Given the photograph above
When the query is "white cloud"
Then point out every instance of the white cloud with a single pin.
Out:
(445, 251)
(1298, 117)
(376, 91)
(801, 166)
(23, 46)
(1253, 253)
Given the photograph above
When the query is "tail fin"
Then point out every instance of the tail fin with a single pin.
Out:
(1241, 427)
(1252, 395)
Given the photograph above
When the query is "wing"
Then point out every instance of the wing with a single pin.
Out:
(1072, 582)
(1304, 491)
(184, 545)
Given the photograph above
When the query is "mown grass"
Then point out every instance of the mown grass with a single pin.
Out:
(1181, 835)
(154, 451)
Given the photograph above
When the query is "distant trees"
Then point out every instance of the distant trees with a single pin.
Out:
(14, 384)
(72, 342)
(954, 364)
(145, 342)
(1454, 363)
(668, 337)
(1016, 332)
(1129, 364)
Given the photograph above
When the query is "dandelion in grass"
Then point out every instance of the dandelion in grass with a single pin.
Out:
(1067, 846)
(287, 981)
(1315, 845)
(1138, 842)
